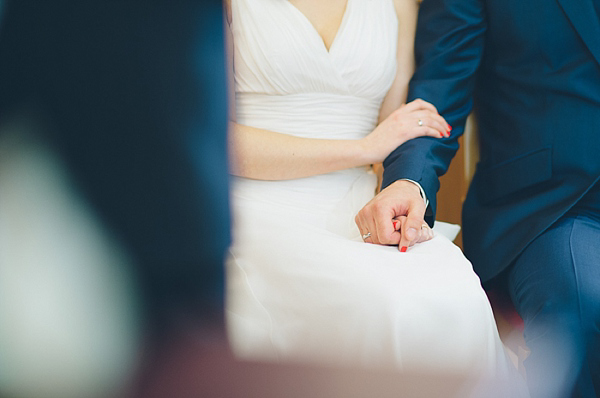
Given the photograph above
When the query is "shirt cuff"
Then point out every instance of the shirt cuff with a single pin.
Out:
(420, 189)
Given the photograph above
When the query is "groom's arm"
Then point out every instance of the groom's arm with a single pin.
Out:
(448, 48)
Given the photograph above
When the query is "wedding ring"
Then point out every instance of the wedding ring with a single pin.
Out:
(367, 235)
(420, 122)
(424, 226)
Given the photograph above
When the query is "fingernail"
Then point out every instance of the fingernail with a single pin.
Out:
(395, 224)
(411, 234)
(403, 249)
(442, 134)
(449, 128)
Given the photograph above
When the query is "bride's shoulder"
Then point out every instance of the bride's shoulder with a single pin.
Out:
(406, 9)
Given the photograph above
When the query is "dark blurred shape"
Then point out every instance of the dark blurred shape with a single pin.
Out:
(133, 99)
(123, 103)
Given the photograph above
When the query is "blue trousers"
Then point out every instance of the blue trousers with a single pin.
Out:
(555, 286)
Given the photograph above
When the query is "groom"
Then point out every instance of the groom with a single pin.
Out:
(531, 71)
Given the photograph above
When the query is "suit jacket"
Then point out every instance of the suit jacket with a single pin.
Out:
(532, 70)
(132, 97)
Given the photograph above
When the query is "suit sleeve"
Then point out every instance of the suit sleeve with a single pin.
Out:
(448, 49)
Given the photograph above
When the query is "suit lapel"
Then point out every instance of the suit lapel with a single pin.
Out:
(586, 21)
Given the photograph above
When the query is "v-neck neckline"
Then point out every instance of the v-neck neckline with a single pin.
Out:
(316, 32)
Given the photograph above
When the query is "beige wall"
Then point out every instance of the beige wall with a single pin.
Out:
(454, 184)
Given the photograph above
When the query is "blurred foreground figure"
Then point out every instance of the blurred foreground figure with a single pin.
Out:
(113, 187)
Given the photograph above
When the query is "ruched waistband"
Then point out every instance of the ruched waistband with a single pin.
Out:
(310, 115)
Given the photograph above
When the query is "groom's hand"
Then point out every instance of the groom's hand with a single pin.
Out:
(402, 198)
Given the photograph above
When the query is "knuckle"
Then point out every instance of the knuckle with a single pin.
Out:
(417, 204)
(362, 215)
(378, 208)
(416, 224)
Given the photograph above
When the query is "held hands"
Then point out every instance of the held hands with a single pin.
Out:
(415, 119)
(395, 217)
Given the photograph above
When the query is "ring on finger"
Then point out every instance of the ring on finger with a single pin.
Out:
(427, 229)
(420, 122)
(365, 236)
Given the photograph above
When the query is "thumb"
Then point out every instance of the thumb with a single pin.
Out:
(410, 230)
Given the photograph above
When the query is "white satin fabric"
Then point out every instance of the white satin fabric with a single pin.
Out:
(302, 286)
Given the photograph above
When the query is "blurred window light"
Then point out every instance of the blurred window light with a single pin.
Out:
(68, 316)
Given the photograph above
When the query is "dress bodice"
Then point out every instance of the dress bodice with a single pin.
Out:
(287, 81)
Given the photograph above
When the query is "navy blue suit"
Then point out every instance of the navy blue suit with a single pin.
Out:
(531, 71)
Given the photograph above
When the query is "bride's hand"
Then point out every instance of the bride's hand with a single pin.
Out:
(415, 119)
(423, 235)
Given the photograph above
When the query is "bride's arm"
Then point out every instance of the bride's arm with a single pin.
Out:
(268, 155)
(395, 201)
(406, 11)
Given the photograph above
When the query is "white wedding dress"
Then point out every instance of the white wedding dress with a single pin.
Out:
(302, 285)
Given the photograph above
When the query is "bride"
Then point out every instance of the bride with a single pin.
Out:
(319, 92)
